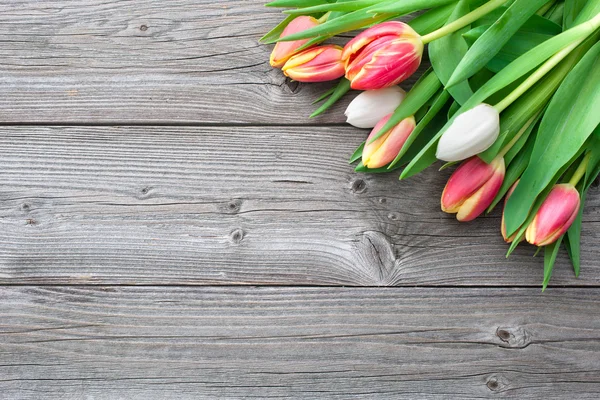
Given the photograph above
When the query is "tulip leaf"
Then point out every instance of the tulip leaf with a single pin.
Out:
(568, 122)
(573, 238)
(274, 33)
(550, 253)
(432, 19)
(324, 95)
(447, 52)
(340, 90)
(571, 11)
(490, 43)
(514, 169)
(406, 6)
(426, 87)
(535, 23)
(555, 14)
(346, 6)
(296, 3)
(357, 153)
(435, 108)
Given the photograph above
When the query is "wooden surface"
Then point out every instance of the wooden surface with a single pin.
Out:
(158, 179)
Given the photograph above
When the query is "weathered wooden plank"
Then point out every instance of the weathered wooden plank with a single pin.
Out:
(145, 61)
(180, 343)
(245, 205)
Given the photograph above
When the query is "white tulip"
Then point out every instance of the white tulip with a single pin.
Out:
(372, 105)
(470, 133)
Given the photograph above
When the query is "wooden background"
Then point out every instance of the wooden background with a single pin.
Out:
(172, 225)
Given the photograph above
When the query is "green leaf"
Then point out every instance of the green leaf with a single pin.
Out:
(406, 6)
(490, 43)
(555, 14)
(296, 3)
(432, 19)
(274, 33)
(345, 6)
(571, 117)
(340, 90)
(573, 236)
(550, 253)
(514, 169)
(357, 155)
(571, 11)
(436, 107)
(425, 88)
(535, 24)
(446, 53)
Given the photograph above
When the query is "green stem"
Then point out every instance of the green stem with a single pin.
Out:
(463, 21)
(514, 140)
(324, 17)
(581, 169)
(546, 7)
(536, 76)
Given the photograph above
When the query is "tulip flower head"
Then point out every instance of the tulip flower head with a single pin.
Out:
(317, 64)
(284, 50)
(503, 223)
(369, 107)
(472, 188)
(383, 55)
(555, 215)
(383, 150)
(469, 134)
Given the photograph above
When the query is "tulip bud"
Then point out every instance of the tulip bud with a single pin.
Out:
(555, 216)
(383, 55)
(371, 106)
(472, 188)
(470, 133)
(383, 150)
(284, 50)
(503, 223)
(317, 64)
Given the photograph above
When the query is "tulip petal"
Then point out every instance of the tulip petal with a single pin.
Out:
(383, 150)
(555, 215)
(371, 106)
(317, 64)
(471, 175)
(475, 205)
(469, 134)
(284, 50)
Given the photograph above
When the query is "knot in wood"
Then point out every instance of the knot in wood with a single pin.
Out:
(359, 186)
(143, 28)
(293, 86)
(26, 207)
(514, 337)
(233, 206)
(236, 236)
(497, 383)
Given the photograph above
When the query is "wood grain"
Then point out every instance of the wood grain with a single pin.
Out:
(146, 61)
(243, 205)
(183, 343)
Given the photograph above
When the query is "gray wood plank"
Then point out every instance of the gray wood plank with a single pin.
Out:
(184, 343)
(245, 205)
(145, 61)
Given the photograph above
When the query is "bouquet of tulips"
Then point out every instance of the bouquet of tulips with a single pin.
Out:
(513, 95)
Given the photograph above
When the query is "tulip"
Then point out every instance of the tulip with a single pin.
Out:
(555, 215)
(472, 188)
(317, 64)
(371, 106)
(503, 223)
(382, 151)
(284, 50)
(469, 134)
(383, 55)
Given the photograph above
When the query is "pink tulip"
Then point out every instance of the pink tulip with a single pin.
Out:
(555, 216)
(284, 50)
(473, 187)
(503, 223)
(317, 64)
(382, 56)
(383, 150)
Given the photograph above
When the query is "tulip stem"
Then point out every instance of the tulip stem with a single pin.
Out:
(581, 169)
(536, 76)
(514, 140)
(462, 21)
(545, 8)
